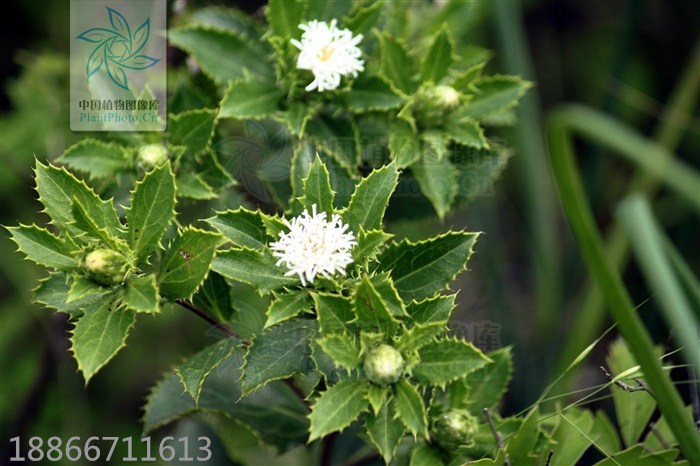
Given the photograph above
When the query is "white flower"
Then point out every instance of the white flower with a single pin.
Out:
(314, 246)
(329, 53)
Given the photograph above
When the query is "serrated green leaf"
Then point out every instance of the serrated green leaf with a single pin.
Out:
(371, 310)
(142, 294)
(317, 188)
(395, 64)
(186, 263)
(370, 199)
(520, 447)
(324, 364)
(96, 158)
(82, 288)
(224, 18)
(467, 132)
(493, 94)
(422, 269)
(98, 336)
(342, 348)
(439, 58)
(277, 353)
(369, 243)
(369, 94)
(633, 410)
(487, 385)
(365, 18)
(43, 247)
(87, 224)
(334, 313)
(223, 55)
(424, 455)
(252, 267)
(446, 360)
(404, 145)
(274, 412)
(287, 305)
(337, 407)
(437, 178)
(243, 227)
(411, 409)
(377, 395)
(336, 137)
(192, 186)
(57, 188)
(302, 158)
(385, 432)
(284, 17)
(193, 129)
(462, 81)
(214, 295)
(477, 170)
(212, 172)
(418, 336)
(435, 309)
(298, 115)
(54, 291)
(152, 210)
(250, 100)
(384, 285)
(195, 370)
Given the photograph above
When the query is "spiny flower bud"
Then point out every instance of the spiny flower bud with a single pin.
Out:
(433, 104)
(152, 155)
(454, 428)
(384, 365)
(105, 266)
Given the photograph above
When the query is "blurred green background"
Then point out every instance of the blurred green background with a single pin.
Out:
(526, 281)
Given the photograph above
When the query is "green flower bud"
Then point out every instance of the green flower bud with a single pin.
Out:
(384, 365)
(105, 267)
(433, 105)
(152, 155)
(454, 428)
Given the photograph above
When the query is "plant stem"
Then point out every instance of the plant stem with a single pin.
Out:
(203, 315)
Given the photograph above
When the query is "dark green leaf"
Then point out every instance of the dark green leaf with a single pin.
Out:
(223, 55)
(54, 293)
(96, 158)
(86, 223)
(253, 267)
(370, 199)
(385, 432)
(141, 294)
(369, 94)
(195, 370)
(342, 348)
(371, 310)
(467, 132)
(250, 100)
(44, 248)
(419, 335)
(446, 360)
(435, 309)
(327, 10)
(487, 385)
(287, 305)
(98, 336)
(422, 269)
(424, 455)
(411, 409)
(152, 210)
(573, 436)
(192, 129)
(192, 186)
(214, 296)
(365, 18)
(439, 58)
(396, 65)
(437, 178)
(493, 94)
(317, 188)
(334, 313)
(337, 407)
(369, 243)
(279, 352)
(404, 145)
(243, 227)
(186, 263)
(284, 17)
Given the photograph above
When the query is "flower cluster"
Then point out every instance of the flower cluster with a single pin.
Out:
(314, 246)
(329, 53)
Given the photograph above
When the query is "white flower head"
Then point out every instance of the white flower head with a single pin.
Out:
(329, 53)
(314, 246)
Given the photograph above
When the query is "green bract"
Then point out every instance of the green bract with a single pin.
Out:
(384, 365)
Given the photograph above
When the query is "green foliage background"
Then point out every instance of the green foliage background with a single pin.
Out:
(527, 275)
